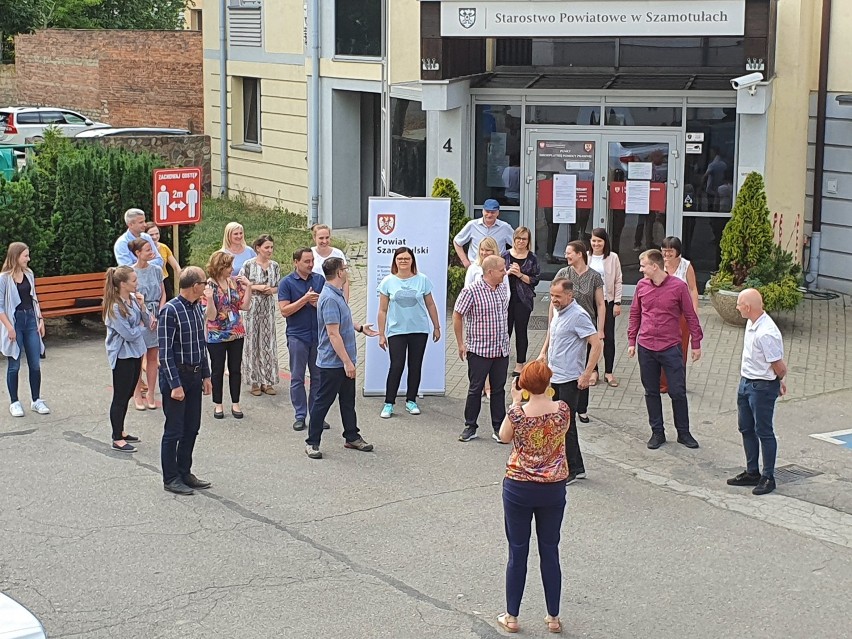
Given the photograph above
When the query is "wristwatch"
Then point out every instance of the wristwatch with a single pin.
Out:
(361, 328)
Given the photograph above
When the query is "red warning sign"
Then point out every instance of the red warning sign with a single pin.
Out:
(177, 196)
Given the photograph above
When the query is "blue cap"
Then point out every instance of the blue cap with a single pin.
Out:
(491, 205)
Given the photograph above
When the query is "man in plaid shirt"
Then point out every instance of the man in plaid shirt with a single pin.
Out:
(483, 309)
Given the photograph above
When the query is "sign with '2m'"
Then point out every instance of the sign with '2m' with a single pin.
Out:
(540, 18)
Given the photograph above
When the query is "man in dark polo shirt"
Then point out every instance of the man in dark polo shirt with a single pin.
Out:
(298, 294)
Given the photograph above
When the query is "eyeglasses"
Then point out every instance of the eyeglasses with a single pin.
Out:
(403, 259)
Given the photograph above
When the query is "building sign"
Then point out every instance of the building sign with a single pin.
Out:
(177, 196)
(551, 19)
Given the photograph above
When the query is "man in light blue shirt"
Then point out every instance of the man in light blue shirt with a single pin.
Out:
(135, 220)
(336, 358)
(487, 226)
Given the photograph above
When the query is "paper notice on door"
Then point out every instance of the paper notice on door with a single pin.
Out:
(564, 199)
(638, 197)
(640, 171)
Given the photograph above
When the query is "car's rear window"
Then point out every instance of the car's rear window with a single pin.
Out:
(27, 118)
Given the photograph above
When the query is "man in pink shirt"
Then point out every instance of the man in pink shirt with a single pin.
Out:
(658, 303)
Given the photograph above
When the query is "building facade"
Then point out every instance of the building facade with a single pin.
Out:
(572, 115)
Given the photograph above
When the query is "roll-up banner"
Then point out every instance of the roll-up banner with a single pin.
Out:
(423, 225)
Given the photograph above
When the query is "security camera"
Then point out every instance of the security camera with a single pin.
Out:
(748, 82)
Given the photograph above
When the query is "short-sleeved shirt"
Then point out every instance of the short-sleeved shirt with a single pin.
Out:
(566, 353)
(228, 323)
(302, 324)
(762, 345)
(407, 312)
(240, 259)
(319, 260)
(475, 231)
(538, 451)
(333, 309)
(166, 254)
(585, 286)
(485, 312)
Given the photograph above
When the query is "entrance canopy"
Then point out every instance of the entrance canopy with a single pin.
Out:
(603, 81)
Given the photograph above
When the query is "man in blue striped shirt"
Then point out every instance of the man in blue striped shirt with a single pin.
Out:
(184, 377)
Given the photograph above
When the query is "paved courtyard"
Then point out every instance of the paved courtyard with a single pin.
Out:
(407, 542)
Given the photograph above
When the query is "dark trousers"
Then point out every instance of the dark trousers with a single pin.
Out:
(478, 370)
(684, 346)
(26, 330)
(125, 375)
(519, 318)
(755, 413)
(233, 351)
(609, 338)
(569, 393)
(651, 364)
(582, 406)
(333, 383)
(183, 421)
(414, 346)
(523, 500)
(303, 356)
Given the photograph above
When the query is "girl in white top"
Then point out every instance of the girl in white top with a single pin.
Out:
(605, 261)
(324, 250)
(680, 268)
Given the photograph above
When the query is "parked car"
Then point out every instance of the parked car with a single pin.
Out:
(128, 131)
(16, 622)
(17, 124)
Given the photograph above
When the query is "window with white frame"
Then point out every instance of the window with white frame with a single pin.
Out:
(251, 111)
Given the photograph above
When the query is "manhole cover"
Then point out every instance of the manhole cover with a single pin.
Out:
(538, 323)
(792, 472)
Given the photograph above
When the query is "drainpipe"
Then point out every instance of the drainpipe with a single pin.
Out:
(314, 111)
(819, 152)
(223, 97)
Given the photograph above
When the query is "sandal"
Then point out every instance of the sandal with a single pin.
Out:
(554, 625)
(256, 391)
(612, 382)
(594, 379)
(269, 390)
(508, 623)
(151, 402)
(139, 406)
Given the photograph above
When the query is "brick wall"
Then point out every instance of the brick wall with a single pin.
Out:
(8, 85)
(176, 150)
(124, 78)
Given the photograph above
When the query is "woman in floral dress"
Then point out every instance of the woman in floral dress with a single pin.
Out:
(260, 357)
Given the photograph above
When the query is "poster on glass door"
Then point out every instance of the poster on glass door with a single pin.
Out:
(561, 157)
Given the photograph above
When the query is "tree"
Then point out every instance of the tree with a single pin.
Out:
(747, 238)
(18, 222)
(444, 187)
(26, 16)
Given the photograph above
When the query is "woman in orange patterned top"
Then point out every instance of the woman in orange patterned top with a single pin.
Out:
(534, 486)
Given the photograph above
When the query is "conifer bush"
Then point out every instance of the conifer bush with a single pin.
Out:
(444, 187)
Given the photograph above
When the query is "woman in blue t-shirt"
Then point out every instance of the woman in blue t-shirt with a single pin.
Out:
(405, 308)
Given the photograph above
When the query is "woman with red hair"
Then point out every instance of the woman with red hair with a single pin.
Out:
(534, 487)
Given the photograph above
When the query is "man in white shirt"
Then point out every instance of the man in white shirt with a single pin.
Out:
(487, 226)
(135, 221)
(763, 371)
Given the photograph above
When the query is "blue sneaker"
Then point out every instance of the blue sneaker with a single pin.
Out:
(412, 408)
(387, 411)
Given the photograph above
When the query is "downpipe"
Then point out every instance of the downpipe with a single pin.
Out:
(813, 264)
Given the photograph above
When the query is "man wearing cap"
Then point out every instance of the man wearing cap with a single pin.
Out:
(476, 230)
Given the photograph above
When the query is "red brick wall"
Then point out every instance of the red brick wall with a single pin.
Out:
(124, 78)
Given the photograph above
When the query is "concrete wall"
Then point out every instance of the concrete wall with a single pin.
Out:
(8, 85)
(124, 78)
(176, 150)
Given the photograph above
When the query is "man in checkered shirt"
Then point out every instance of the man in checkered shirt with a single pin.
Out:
(483, 308)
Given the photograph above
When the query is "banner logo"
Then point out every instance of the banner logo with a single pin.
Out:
(386, 223)
(588, 147)
(467, 17)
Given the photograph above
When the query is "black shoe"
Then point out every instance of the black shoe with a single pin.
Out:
(193, 482)
(583, 418)
(687, 440)
(572, 477)
(745, 479)
(765, 485)
(299, 424)
(313, 451)
(126, 448)
(516, 373)
(218, 414)
(467, 434)
(657, 440)
(359, 444)
(326, 426)
(131, 438)
(178, 487)
(238, 414)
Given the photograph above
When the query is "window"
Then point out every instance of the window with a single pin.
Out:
(709, 163)
(358, 28)
(643, 116)
(31, 117)
(251, 110)
(497, 156)
(73, 118)
(408, 148)
(563, 114)
(52, 117)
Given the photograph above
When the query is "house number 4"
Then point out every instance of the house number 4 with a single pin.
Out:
(448, 145)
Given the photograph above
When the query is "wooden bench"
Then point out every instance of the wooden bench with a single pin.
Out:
(70, 294)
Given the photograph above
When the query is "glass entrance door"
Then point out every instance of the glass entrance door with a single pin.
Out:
(639, 197)
(561, 185)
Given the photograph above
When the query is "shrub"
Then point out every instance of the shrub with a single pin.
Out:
(444, 187)
(19, 223)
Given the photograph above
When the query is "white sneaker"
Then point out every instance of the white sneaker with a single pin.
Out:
(387, 411)
(40, 407)
(16, 409)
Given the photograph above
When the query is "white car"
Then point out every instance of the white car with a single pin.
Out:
(18, 124)
(16, 622)
(137, 131)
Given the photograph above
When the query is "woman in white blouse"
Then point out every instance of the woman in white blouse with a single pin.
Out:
(603, 260)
